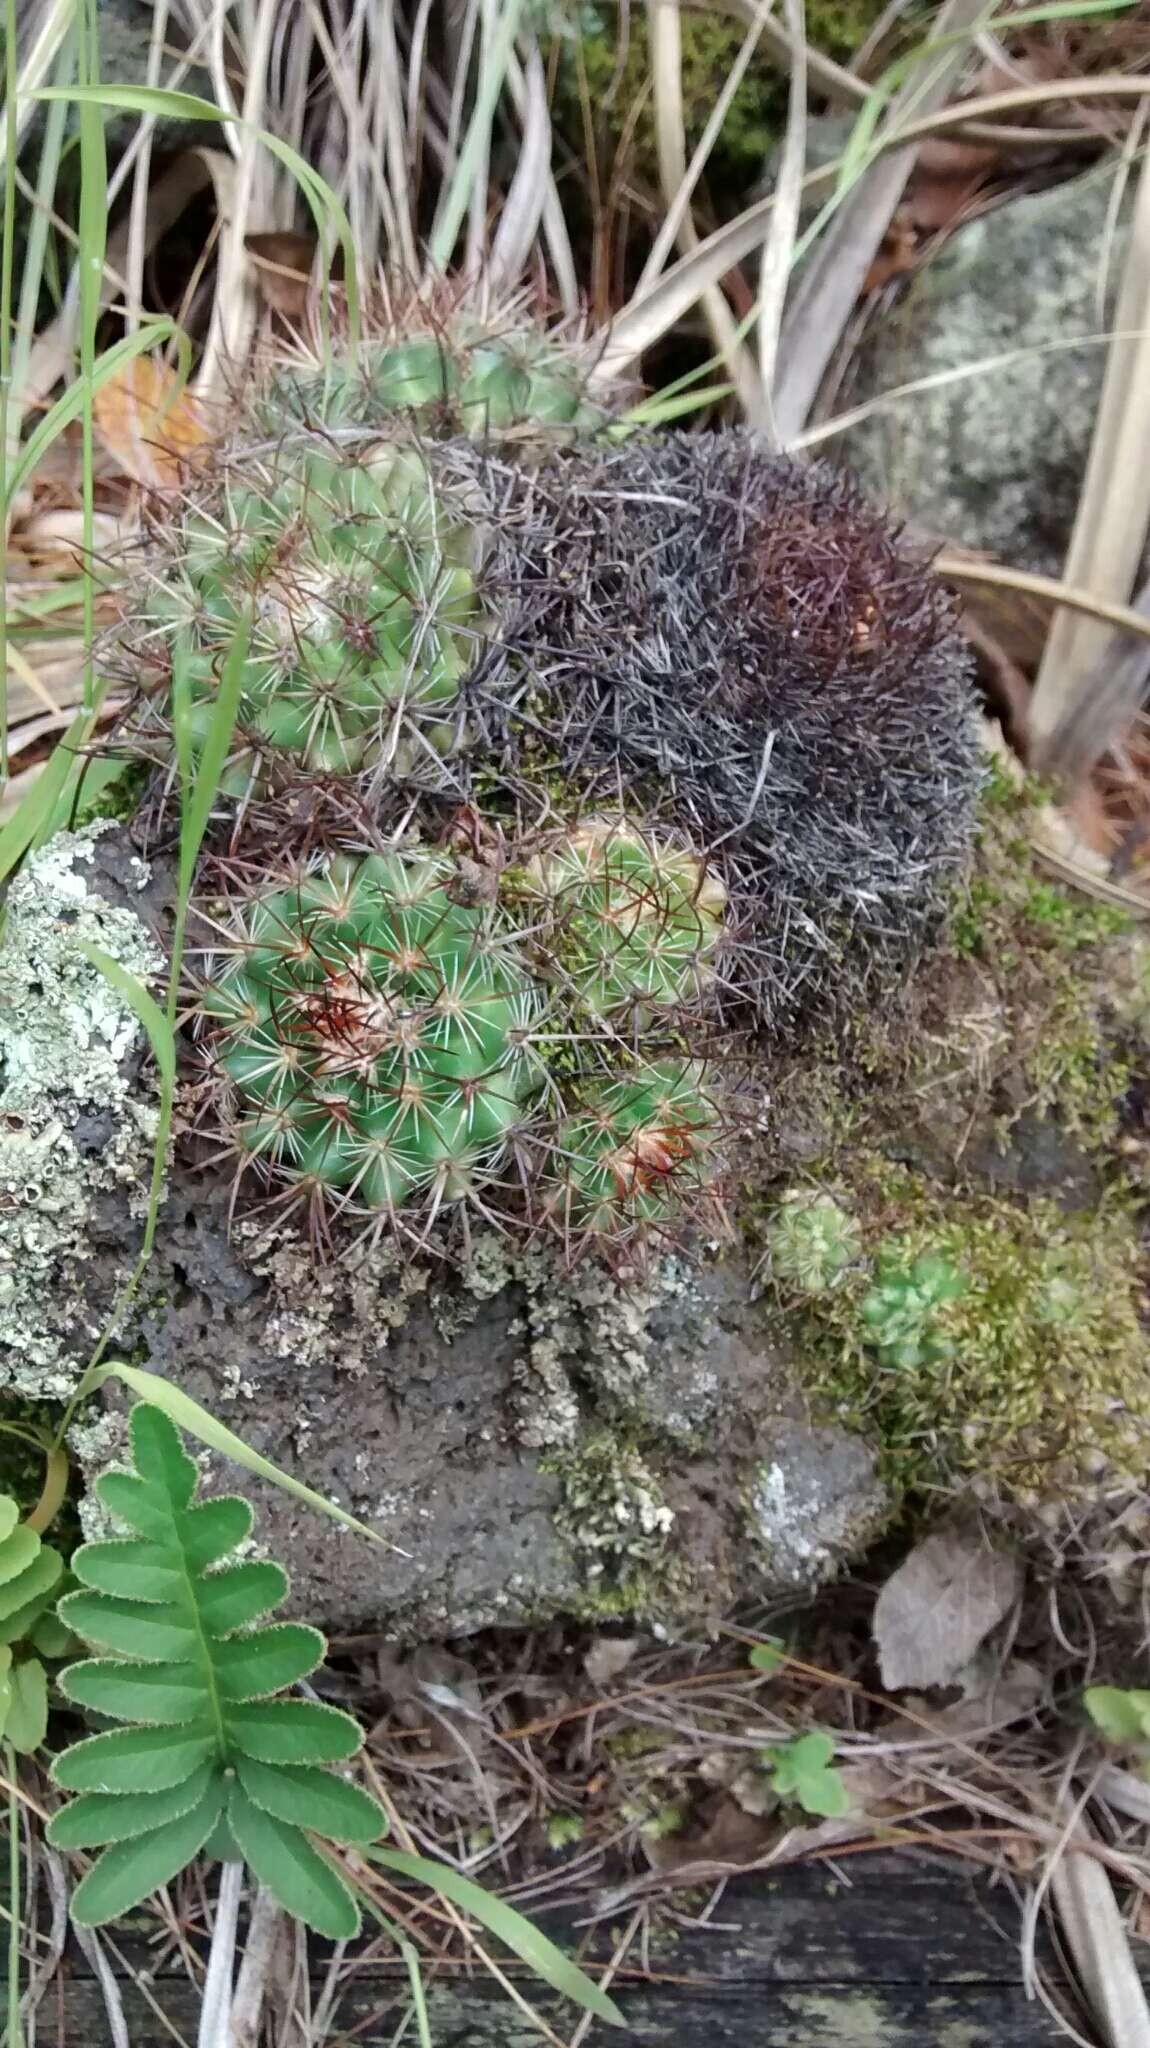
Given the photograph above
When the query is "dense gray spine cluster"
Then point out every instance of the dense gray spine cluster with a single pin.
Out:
(735, 642)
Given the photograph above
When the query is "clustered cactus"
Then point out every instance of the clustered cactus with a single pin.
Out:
(380, 1045)
(376, 1034)
(357, 587)
(667, 679)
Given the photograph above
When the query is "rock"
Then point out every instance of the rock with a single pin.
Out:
(532, 1444)
(77, 1113)
(124, 30)
(527, 1442)
(994, 460)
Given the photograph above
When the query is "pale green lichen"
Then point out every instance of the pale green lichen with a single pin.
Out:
(613, 1515)
(74, 1126)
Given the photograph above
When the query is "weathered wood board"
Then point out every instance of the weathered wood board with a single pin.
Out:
(904, 1951)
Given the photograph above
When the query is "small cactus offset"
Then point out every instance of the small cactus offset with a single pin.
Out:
(374, 1036)
(634, 1153)
(900, 1313)
(628, 917)
(463, 378)
(812, 1241)
(361, 592)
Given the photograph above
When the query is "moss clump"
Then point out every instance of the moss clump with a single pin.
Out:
(1051, 958)
(1032, 1371)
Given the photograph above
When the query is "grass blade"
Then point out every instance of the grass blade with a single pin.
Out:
(199, 1422)
(524, 1940)
(131, 988)
(456, 199)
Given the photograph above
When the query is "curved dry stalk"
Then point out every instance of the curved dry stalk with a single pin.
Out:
(1108, 538)
(664, 27)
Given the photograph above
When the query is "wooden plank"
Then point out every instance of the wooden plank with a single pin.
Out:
(902, 1951)
(963, 2016)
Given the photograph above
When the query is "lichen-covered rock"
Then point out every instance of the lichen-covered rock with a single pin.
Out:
(531, 1442)
(994, 458)
(77, 1119)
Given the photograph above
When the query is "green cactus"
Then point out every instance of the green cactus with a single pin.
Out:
(463, 379)
(626, 918)
(633, 1152)
(373, 1037)
(364, 613)
(900, 1313)
(812, 1241)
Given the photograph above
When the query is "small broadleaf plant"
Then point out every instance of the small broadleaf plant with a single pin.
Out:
(1122, 1716)
(30, 1575)
(801, 1771)
(211, 1757)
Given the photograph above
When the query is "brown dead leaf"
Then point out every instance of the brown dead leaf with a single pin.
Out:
(156, 430)
(282, 264)
(941, 1603)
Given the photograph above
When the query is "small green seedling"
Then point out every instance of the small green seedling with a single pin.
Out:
(812, 1242)
(801, 1772)
(1122, 1716)
(564, 1830)
(768, 1656)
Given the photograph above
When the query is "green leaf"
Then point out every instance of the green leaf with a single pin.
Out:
(31, 1584)
(308, 1798)
(9, 1516)
(1122, 1716)
(251, 1667)
(5, 1685)
(767, 1656)
(801, 1770)
(165, 1694)
(209, 1530)
(129, 1872)
(199, 1699)
(132, 1628)
(134, 1759)
(100, 1817)
(294, 1872)
(51, 1637)
(232, 1598)
(518, 1934)
(17, 1552)
(293, 1732)
(22, 1621)
(27, 1720)
(161, 1460)
(130, 1566)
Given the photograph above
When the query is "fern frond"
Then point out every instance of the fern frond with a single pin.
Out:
(212, 1758)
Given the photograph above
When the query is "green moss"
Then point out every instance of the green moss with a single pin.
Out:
(1038, 1369)
(611, 66)
(1036, 1002)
